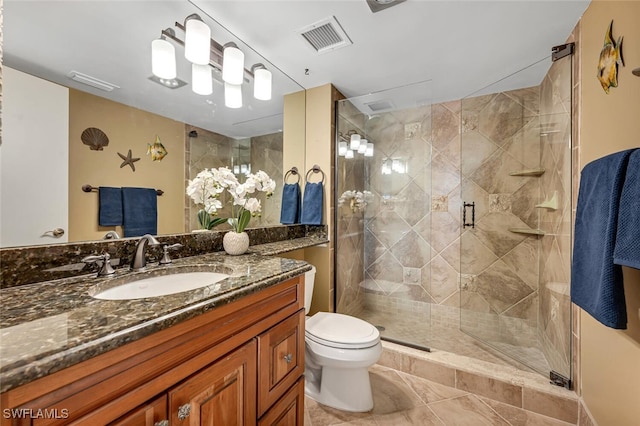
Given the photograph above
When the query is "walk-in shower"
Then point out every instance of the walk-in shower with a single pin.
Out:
(493, 285)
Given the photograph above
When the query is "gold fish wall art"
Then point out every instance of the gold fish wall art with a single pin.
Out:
(157, 151)
(610, 59)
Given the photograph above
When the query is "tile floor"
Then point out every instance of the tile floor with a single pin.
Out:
(402, 399)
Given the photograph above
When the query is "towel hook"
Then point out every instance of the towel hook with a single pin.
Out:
(315, 169)
(292, 171)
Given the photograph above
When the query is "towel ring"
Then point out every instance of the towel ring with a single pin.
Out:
(315, 169)
(292, 171)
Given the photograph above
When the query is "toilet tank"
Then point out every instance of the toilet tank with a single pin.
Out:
(309, 278)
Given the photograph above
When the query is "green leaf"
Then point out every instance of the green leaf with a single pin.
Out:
(207, 222)
(243, 220)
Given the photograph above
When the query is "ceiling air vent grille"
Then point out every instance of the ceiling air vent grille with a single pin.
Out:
(325, 35)
(379, 105)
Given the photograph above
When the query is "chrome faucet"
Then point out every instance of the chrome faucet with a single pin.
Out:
(111, 235)
(139, 261)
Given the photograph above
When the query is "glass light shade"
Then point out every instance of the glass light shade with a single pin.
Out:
(197, 42)
(369, 151)
(233, 95)
(355, 142)
(201, 79)
(233, 65)
(163, 59)
(262, 84)
(342, 149)
(363, 146)
(348, 154)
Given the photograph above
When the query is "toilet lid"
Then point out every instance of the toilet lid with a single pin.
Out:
(341, 331)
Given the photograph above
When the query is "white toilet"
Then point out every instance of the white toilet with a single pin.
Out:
(339, 351)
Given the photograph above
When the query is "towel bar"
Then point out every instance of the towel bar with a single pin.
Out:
(89, 188)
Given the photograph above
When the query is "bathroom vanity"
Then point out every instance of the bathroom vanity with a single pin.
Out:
(226, 354)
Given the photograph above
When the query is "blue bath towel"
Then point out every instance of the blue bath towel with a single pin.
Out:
(140, 211)
(291, 201)
(596, 283)
(109, 206)
(312, 204)
(627, 248)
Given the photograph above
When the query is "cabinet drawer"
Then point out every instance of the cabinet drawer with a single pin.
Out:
(280, 359)
(150, 414)
(289, 410)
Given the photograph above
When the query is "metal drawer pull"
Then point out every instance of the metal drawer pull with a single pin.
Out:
(184, 411)
(162, 423)
(288, 358)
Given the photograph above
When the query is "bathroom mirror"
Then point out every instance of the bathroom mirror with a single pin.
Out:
(62, 42)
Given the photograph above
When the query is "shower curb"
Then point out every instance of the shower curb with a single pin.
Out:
(505, 384)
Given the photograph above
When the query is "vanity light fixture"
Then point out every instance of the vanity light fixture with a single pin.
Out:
(355, 142)
(197, 44)
(261, 82)
(369, 151)
(232, 64)
(206, 54)
(342, 148)
(349, 154)
(201, 79)
(362, 148)
(163, 59)
(233, 95)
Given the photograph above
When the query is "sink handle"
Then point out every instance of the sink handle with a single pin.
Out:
(165, 257)
(104, 261)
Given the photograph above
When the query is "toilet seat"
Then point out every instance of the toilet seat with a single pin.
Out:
(341, 331)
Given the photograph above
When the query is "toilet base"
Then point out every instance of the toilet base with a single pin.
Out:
(341, 388)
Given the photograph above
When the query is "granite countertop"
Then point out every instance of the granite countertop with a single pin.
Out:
(48, 326)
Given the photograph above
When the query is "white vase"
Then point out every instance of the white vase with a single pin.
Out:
(235, 243)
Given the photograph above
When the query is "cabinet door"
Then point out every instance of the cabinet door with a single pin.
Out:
(289, 410)
(280, 359)
(152, 414)
(223, 394)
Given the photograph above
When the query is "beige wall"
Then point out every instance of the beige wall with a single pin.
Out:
(610, 359)
(320, 128)
(128, 129)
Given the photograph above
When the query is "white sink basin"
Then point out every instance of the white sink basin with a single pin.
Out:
(160, 285)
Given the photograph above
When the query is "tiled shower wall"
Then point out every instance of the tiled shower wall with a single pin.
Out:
(417, 257)
(211, 150)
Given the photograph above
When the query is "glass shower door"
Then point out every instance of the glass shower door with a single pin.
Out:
(383, 252)
(516, 199)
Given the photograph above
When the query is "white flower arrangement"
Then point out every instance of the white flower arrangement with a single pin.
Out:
(207, 187)
(357, 200)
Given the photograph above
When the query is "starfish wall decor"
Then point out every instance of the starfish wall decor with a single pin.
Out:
(128, 160)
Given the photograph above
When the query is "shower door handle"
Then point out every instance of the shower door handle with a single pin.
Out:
(473, 214)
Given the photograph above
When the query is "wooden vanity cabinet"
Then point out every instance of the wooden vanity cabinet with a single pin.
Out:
(238, 364)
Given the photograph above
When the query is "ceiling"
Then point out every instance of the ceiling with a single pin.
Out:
(451, 49)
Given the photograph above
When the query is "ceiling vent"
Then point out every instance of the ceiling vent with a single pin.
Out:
(92, 81)
(378, 106)
(325, 35)
(378, 5)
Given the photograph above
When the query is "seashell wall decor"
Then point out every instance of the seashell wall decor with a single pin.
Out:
(95, 138)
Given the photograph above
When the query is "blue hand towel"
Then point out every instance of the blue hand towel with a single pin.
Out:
(290, 211)
(109, 206)
(627, 247)
(596, 283)
(140, 211)
(312, 204)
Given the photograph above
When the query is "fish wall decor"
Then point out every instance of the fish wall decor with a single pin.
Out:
(156, 150)
(610, 59)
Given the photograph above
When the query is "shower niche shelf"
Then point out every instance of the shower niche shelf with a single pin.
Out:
(528, 172)
(527, 231)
